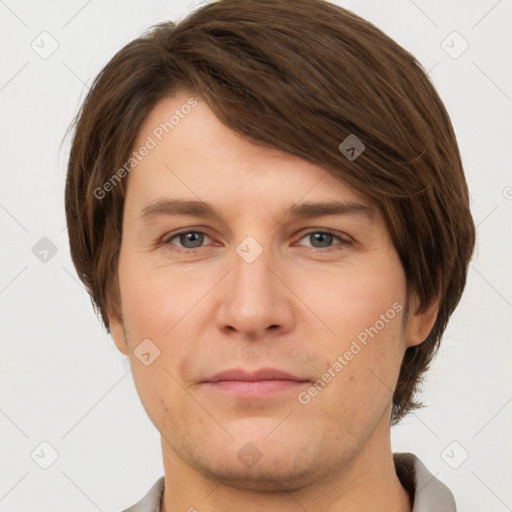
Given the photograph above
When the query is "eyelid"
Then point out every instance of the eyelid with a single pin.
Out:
(343, 237)
(169, 236)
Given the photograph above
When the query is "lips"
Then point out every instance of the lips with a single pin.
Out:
(260, 384)
(264, 374)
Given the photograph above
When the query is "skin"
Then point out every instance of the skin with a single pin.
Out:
(297, 307)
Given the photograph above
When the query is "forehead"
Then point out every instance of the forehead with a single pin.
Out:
(194, 156)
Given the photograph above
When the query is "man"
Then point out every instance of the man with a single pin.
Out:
(267, 205)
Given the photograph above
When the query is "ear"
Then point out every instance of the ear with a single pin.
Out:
(421, 320)
(115, 316)
(117, 331)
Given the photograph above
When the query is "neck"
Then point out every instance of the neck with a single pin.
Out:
(369, 482)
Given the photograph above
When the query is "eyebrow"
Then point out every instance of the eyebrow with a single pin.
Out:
(305, 210)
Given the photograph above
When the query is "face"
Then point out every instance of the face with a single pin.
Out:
(288, 281)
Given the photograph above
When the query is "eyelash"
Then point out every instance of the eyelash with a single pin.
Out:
(344, 240)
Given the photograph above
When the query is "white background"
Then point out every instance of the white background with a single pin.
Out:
(61, 378)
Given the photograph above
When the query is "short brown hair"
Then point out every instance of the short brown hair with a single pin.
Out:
(297, 76)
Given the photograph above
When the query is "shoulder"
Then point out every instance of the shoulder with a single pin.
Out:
(428, 494)
(152, 500)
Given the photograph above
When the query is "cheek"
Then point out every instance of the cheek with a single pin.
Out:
(354, 299)
(363, 309)
(162, 398)
(159, 318)
(153, 299)
(365, 374)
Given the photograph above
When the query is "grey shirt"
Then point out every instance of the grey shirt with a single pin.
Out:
(427, 493)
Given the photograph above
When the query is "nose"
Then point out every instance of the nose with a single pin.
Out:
(255, 300)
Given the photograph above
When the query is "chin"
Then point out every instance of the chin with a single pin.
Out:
(260, 462)
(265, 476)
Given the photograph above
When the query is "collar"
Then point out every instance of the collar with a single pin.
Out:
(427, 493)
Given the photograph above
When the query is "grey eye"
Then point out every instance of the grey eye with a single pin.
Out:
(323, 239)
(189, 239)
